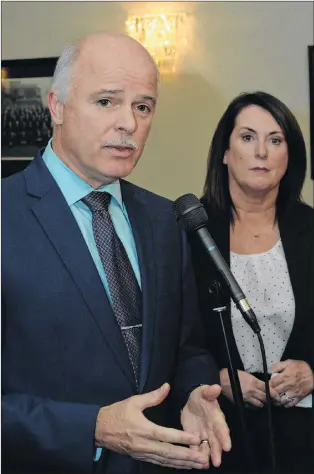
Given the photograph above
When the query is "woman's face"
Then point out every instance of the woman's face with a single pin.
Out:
(257, 157)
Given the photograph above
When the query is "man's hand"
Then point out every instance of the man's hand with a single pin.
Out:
(253, 389)
(123, 428)
(295, 379)
(202, 415)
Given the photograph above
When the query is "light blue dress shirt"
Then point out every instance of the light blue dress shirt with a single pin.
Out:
(74, 189)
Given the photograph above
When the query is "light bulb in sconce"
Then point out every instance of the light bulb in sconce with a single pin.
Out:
(4, 76)
(163, 35)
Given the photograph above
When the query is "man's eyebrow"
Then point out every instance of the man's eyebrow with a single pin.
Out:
(113, 92)
(107, 92)
(149, 98)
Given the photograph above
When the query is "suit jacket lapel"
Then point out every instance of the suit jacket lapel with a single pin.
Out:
(144, 240)
(57, 220)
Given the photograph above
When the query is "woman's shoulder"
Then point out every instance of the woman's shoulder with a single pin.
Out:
(302, 212)
(297, 217)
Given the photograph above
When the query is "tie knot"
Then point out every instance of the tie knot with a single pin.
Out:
(97, 201)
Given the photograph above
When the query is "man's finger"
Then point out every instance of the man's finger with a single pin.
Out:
(171, 435)
(204, 447)
(215, 449)
(211, 392)
(172, 463)
(222, 432)
(195, 447)
(152, 399)
(177, 453)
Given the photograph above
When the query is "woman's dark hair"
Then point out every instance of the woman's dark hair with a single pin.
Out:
(216, 190)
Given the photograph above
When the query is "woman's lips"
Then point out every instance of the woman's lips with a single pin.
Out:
(260, 170)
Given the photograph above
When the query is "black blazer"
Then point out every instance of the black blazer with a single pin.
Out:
(296, 227)
(63, 355)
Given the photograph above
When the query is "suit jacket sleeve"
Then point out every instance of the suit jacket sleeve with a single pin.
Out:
(195, 365)
(42, 434)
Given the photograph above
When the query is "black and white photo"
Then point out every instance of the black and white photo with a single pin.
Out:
(25, 118)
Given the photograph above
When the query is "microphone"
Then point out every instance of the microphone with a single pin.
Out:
(192, 216)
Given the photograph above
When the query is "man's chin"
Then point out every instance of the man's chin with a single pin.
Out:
(121, 169)
(114, 175)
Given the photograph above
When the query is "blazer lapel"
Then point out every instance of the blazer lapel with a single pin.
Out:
(59, 224)
(144, 240)
(293, 226)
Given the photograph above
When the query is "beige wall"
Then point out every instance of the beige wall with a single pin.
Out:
(236, 46)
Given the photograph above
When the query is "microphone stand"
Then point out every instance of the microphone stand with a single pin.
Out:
(215, 290)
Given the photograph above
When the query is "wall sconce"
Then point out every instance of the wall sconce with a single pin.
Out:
(4, 75)
(163, 35)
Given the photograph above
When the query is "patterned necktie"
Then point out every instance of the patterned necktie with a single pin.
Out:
(123, 286)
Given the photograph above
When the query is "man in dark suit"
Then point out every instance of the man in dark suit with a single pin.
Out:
(101, 338)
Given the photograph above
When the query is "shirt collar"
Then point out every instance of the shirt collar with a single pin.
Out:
(71, 185)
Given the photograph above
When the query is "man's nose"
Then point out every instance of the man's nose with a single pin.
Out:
(126, 120)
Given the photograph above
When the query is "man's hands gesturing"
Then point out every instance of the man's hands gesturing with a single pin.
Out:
(123, 428)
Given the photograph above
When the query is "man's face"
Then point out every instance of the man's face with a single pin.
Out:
(107, 114)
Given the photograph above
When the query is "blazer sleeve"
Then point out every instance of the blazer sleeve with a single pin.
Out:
(195, 366)
(42, 434)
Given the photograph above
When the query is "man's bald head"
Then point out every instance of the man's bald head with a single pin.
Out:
(102, 104)
(110, 47)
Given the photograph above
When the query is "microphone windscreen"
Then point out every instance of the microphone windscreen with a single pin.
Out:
(190, 212)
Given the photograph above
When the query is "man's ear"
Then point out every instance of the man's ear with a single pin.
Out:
(55, 107)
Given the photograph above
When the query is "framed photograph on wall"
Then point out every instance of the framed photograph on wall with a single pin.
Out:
(311, 79)
(25, 118)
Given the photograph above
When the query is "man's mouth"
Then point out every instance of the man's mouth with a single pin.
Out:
(120, 147)
(120, 151)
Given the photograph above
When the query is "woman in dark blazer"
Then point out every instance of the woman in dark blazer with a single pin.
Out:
(252, 195)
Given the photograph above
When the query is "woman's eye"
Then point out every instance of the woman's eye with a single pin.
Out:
(104, 102)
(276, 141)
(247, 138)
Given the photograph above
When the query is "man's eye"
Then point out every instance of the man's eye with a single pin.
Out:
(143, 108)
(104, 102)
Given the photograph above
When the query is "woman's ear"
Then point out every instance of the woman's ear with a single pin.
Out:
(225, 159)
(55, 107)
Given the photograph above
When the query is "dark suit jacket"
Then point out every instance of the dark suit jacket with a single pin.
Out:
(296, 227)
(63, 356)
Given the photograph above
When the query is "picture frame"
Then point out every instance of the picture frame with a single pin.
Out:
(25, 118)
(311, 92)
